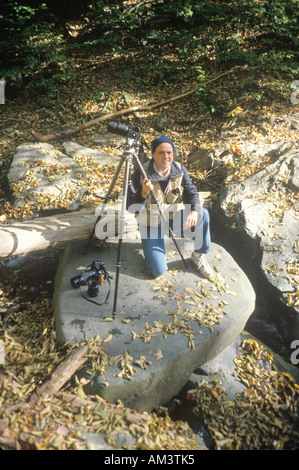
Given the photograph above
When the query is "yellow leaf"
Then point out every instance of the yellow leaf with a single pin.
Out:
(109, 338)
(158, 354)
(80, 392)
(134, 335)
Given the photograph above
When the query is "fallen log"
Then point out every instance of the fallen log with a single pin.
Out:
(62, 374)
(24, 237)
(38, 234)
(147, 107)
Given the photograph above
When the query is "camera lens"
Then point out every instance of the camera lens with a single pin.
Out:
(75, 281)
(93, 288)
(120, 129)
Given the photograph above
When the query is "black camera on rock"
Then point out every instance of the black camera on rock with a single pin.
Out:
(93, 276)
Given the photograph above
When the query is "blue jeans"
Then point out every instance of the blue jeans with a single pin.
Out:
(153, 240)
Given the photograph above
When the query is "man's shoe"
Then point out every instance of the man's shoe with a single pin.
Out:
(202, 265)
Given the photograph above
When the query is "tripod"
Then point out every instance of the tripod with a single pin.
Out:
(130, 154)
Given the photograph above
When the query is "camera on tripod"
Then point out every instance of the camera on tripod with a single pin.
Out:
(125, 131)
(129, 157)
(93, 277)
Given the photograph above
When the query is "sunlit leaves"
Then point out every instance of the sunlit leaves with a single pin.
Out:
(261, 417)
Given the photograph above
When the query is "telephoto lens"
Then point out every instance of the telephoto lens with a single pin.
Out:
(120, 129)
(75, 281)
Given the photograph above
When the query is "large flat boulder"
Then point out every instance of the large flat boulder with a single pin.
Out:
(44, 177)
(164, 328)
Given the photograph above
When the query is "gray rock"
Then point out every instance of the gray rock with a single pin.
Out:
(112, 141)
(222, 368)
(145, 327)
(76, 151)
(202, 159)
(41, 174)
(161, 123)
(262, 213)
(102, 140)
(293, 182)
(95, 441)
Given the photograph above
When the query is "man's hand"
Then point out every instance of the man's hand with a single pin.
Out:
(191, 220)
(147, 187)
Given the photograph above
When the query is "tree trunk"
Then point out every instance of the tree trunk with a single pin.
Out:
(39, 234)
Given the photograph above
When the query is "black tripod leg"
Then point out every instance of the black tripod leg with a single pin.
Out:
(171, 235)
(106, 199)
(121, 232)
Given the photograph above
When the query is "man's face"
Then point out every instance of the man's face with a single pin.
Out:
(163, 157)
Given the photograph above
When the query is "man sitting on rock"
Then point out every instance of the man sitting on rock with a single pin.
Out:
(179, 200)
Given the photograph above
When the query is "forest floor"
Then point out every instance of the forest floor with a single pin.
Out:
(100, 84)
(105, 83)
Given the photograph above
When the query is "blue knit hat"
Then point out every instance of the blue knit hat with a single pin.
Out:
(161, 140)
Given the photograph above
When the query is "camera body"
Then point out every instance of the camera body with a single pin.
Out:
(93, 277)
